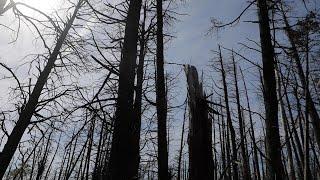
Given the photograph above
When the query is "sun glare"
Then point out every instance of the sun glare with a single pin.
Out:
(46, 6)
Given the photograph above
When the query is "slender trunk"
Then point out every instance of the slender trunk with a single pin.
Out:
(229, 121)
(306, 170)
(26, 114)
(181, 144)
(255, 152)
(138, 99)
(245, 159)
(97, 168)
(296, 144)
(315, 119)
(291, 172)
(161, 100)
(294, 130)
(223, 143)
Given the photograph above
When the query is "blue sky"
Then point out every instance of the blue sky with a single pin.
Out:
(193, 45)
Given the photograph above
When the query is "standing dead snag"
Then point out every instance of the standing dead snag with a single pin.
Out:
(229, 124)
(200, 144)
(161, 99)
(123, 156)
(275, 169)
(29, 109)
(245, 158)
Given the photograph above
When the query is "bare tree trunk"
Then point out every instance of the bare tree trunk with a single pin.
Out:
(122, 159)
(315, 119)
(161, 100)
(306, 170)
(297, 147)
(222, 142)
(275, 168)
(245, 159)
(25, 116)
(200, 144)
(255, 152)
(138, 99)
(291, 172)
(181, 144)
(229, 121)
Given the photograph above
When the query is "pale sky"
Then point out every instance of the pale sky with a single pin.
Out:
(192, 44)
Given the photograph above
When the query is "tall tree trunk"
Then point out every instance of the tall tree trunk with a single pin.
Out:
(229, 121)
(181, 145)
(161, 100)
(223, 143)
(138, 99)
(315, 119)
(291, 172)
(255, 151)
(25, 116)
(122, 158)
(306, 170)
(200, 144)
(298, 146)
(274, 164)
(245, 159)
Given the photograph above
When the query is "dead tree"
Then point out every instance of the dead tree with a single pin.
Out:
(229, 121)
(315, 119)
(138, 99)
(30, 107)
(252, 134)
(181, 145)
(291, 173)
(4, 6)
(123, 157)
(275, 168)
(161, 100)
(245, 159)
(200, 144)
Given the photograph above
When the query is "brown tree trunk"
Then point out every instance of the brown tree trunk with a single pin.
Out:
(25, 116)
